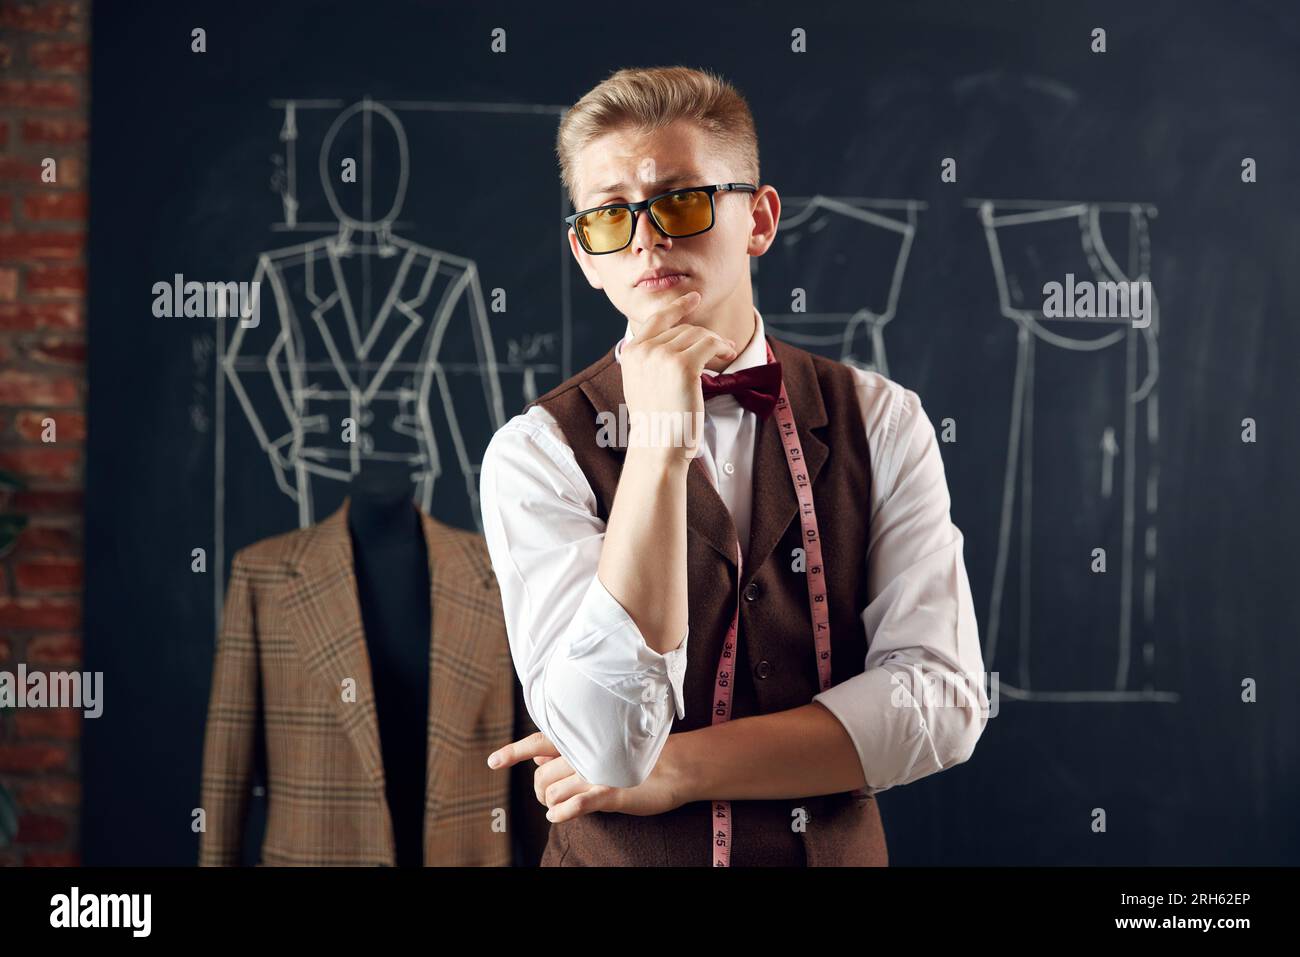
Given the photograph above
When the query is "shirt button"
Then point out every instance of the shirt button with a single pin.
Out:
(763, 669)
(751, 591)
(728, 468)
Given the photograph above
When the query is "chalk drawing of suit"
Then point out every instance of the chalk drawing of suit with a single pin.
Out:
(849, 256)
(1081, 473)
(410, 379)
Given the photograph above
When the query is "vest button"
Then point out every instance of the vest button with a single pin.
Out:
(763, 669)
(751, 591)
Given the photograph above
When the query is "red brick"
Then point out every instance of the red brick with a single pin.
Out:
(49, 501)
(40, 613)
(29, 317)
(59, 57)
(15, 170)
(34, 388)
(39, 94)
(55, 649)
(57, 281)
(43, 17)
(6, 61)
(58, 350)
(71, 172)
(38, 538)
(42, 463)
(40, 829)
(4, 649)
(48, 575)
(50, 792)
(49, 206)
(68, 171)
(52, 859)
(43, 244)
(42, 130)
(6, 202)
(8, 284)
(61, 723)
(68, 426)
(33, 757)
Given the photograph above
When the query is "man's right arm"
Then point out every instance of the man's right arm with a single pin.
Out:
(593, 685)
(598, 617)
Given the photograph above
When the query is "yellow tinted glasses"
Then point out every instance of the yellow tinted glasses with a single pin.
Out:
(677, 214)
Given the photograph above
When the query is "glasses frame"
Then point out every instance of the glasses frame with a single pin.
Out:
(645, 204)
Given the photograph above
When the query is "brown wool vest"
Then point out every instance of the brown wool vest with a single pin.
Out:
(776, 668)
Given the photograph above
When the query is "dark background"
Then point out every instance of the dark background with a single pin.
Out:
(181, 170)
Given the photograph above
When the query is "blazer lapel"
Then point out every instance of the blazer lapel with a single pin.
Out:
(324, 615)
(463, 660)
(774, 503)
(321, 274)
(706, 513)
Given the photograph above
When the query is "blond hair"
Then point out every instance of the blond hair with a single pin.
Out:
(647, 99)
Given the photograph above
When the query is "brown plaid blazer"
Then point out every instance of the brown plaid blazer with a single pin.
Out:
(291, 633)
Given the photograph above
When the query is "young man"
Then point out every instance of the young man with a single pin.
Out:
(787, 588)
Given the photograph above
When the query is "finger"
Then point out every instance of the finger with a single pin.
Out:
(677, 333)
(535, 744)
(690, 334)
(596, 798)
(667, 338)
(560, 791)
(698, 354)
(676, 341)
(548, 774)
(667, 317)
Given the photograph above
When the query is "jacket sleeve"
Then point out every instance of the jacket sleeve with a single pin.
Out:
(257, 363)
(233, 720)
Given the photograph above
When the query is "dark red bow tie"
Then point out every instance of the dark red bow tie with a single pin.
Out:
(756, 388)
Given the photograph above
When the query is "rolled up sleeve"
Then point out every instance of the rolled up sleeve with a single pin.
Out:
(592, 685)
(919, 705)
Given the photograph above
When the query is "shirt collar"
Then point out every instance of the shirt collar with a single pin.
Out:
(753, 354)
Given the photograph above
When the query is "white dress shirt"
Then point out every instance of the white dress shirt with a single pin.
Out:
(606, 700)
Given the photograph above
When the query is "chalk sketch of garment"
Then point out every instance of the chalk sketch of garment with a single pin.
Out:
(369, 347)
(849, 257)
(1081, 468)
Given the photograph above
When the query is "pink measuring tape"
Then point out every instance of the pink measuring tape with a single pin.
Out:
(821, 626)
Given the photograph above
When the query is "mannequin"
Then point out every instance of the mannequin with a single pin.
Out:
(392, 571)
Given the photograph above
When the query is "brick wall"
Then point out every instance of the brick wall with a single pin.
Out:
(44, 112)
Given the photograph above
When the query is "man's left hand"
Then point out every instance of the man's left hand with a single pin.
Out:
(567, 794)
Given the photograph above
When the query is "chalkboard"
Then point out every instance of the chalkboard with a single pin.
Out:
(1163, 446)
